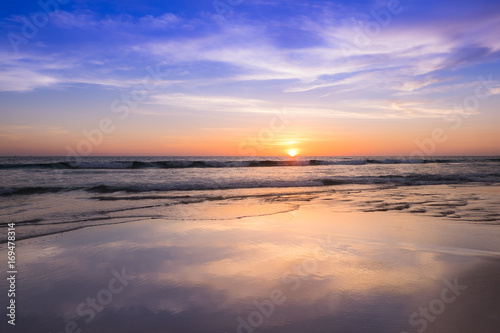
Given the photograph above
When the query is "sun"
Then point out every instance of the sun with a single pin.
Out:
(292, 152)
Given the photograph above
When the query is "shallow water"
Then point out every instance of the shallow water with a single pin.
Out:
(44, 214)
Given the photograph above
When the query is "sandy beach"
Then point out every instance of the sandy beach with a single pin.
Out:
(320, 267)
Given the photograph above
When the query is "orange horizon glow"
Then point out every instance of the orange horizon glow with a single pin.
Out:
(361, 141)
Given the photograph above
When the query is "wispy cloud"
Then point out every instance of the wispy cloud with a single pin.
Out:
(194, 103)
(87, 20)
(21, 80)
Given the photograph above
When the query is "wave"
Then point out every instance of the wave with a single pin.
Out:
(178, 164)
(33, 190)
(397, 180)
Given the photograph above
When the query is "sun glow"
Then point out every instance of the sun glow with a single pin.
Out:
(292, 152)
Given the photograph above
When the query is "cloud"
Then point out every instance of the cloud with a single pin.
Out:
(67, 20)
(196, 103)
(362, 109)
(22, 80)
(466, 56)
(90, 20)
(160, 22)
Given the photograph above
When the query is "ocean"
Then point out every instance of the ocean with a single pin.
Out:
(48, 195)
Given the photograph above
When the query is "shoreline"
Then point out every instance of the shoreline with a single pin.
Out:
(467, 204)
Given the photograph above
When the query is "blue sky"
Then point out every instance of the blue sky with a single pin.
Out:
(217, 72)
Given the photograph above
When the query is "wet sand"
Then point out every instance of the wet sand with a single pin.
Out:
(318, 268)
(59, 212)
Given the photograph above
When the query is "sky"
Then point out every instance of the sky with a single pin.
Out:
(250, 77)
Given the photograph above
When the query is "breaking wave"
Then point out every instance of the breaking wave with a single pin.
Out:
(398, 180)
(179, 164)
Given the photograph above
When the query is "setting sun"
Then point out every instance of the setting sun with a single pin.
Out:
(292, 152)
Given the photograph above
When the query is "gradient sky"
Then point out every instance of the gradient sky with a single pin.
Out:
(235, 77)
